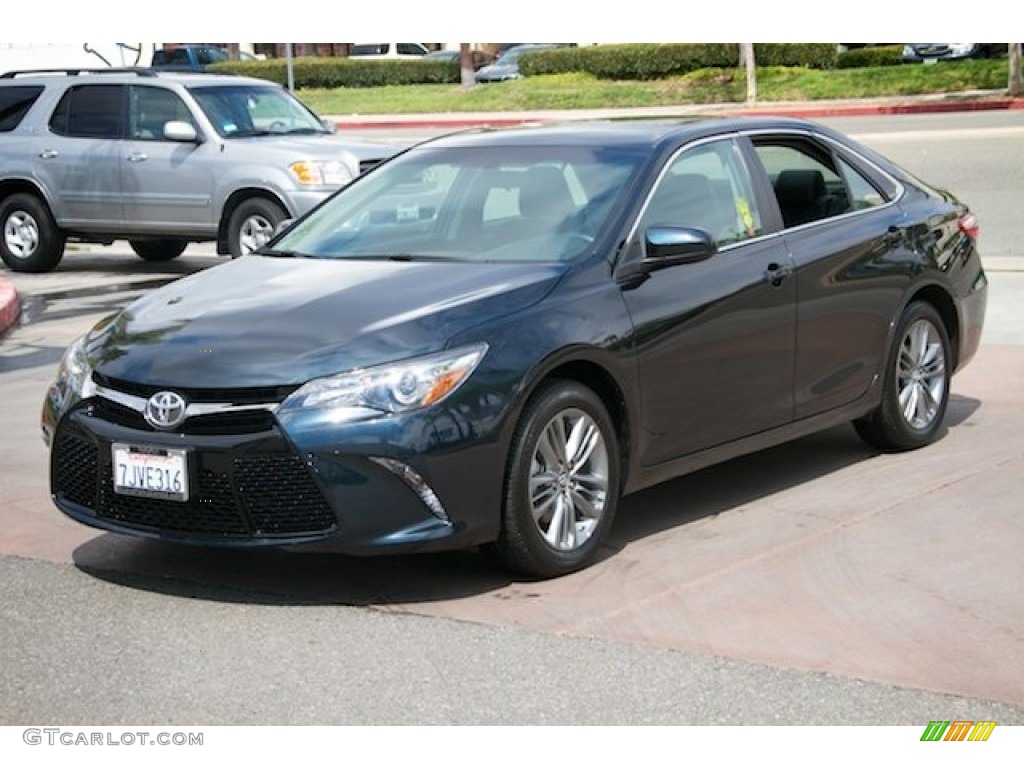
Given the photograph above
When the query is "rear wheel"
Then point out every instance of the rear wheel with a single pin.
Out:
(252, 224)
(562, 482)
(31, 240)
(164, 249)
(916, 386)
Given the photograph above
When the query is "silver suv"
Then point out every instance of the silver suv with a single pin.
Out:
(160, 159)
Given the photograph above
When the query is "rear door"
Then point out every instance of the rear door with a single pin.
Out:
(714, 339)
(80, 157)
(845, 235)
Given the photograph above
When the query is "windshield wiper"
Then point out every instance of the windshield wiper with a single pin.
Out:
(277, 254)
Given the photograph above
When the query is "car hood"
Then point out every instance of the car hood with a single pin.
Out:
(263, 321)
(319, 146)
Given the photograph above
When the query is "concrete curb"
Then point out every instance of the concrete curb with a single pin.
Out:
(10, 304)
(972, 102)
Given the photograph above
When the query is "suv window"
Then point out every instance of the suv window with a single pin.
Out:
(707, 187)
(90, 111)
(15, 103)
(149, 109)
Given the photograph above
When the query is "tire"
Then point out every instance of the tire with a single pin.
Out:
(252, 224)
(159, 250)
(31, 241)
(566, 450)
(915, 391)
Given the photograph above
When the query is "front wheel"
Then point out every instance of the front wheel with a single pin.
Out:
(916, 386)
(31, 240)
(252, 224)
(163, 249)
(561, 484)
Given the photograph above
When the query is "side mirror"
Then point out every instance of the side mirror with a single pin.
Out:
(179, 130)
(665, 247)
(329, 125)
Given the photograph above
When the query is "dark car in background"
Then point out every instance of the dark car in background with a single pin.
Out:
(493, 336)
(924, 52)
(506, 65)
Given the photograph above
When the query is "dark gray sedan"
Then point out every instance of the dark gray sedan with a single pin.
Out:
(492, 337)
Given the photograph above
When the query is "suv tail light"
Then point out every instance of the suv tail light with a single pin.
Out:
(968, 224)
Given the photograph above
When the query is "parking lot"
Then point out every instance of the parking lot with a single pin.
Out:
(817, 582)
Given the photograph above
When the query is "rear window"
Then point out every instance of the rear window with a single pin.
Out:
(15, 103)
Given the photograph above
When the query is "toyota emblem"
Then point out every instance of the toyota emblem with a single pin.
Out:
(165, 410)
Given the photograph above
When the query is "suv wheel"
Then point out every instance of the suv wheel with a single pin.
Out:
(31, 240)
(159, 250)
(252, 224)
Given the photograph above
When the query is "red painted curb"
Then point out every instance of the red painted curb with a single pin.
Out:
(10, 304)
(844, 110)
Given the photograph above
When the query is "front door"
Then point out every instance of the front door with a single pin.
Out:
(714, 339)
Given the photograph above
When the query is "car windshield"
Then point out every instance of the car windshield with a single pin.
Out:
(254, 110)
(461, 204)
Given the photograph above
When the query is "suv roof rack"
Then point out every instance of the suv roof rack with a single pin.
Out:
(140, 71)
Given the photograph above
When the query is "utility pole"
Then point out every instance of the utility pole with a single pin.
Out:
(1015, 86)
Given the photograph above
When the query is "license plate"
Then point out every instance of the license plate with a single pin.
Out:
(156, 473)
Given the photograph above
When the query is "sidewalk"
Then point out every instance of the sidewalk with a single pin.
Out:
(10, 304)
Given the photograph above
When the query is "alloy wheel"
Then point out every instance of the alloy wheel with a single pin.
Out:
(21, 234)
(568, 483)
(921, 374)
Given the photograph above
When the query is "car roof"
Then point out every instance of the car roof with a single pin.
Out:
(120, 75)
(644, 132)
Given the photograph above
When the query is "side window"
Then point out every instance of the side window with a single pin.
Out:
(809, 183)
(862, 192)
(89, 111)
(707, 187)
(15, 103)
(149, 109)
(410, 49)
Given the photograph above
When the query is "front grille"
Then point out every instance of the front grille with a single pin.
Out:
(281, 495)
(234, 395)
(75, 463)
(247, 495)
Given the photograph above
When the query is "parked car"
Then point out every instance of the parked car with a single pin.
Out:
(495, 335)
(918, 52)
(506, 66)
(388, 50)
(160, 159)
(193, 58)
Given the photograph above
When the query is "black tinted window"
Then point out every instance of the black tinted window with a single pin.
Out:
(14, 104)
(90, 111)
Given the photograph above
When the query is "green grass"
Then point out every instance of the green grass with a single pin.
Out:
(580, 91)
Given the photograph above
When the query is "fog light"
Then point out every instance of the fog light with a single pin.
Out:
(417, 484)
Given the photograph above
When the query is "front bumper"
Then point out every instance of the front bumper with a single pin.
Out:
(252, 485)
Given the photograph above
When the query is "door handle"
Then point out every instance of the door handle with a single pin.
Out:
(49, 154)
(137, 157)
(776, 273)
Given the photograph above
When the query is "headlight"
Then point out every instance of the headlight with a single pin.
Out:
(961, 49)
(74, 376)
(73, 383)
(313, 173)
(393, 388)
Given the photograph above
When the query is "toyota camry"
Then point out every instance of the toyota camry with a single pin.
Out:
(495, 335)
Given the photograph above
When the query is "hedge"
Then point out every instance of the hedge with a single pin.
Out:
(336, 72)
(876, 56)
(650, 61)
